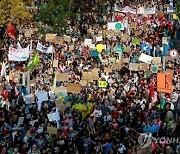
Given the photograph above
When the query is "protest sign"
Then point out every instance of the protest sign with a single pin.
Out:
(143, 67)
(42, 95)
(133, 25)
(52, 130)
(156, 61)
(95, 70)
(125, 37)
(59, 40)
(99, 39)
(164, 40)
(20, 120)
(117, 66)
(18, 54)
(29, 99)
(62, 77)
(169, 71)
(127, 49)
(164, 83)
(73, 88)
(83, 82)
(119, 49)
(115, 25)
(108, 69)
(92, 46)
(62, 91)
(133, 66)
(33, 122)
(51, 117)
(71, 47)
(44, 49)
(90, 76)
(125, 60)
(67, 38)
(61, 106)
(102, 84)
(55, 63)
(145, 58)
(50, 37)
(87, 42)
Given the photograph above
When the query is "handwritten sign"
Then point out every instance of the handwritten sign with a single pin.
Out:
(62, 77)
(50, 37)
(55, 63)
(90, 76)
(52, 130)
(108, 69)
(73, 88)
(164, 82)
(133, 66)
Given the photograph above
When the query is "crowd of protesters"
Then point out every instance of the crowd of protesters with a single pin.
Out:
(129, 106)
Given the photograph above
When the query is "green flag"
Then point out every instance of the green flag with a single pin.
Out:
(34, 62)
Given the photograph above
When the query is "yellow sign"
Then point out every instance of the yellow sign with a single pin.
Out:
(102, 84)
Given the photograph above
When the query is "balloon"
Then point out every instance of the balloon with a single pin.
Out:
(99, 47)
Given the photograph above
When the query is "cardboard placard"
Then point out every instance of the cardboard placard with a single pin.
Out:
(133, 25)
(125, 60)
(50, 37)
(156, 61)
(60, 89)
(55, 63)
(59, 40)
(133, 66)
(96, 70)
(143, 66)
(164, 82)
(67, 38)
(52, 130)
(117, 66)
(145, 58)
(71, 47)
(73, 88)
(125, 37)
(127, 49)
(108, 69)
(169, 71)
(83, 82)
(60, 105)
(90, 76)
(62, 77)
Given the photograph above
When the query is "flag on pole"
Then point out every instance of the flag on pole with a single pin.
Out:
(34, 62)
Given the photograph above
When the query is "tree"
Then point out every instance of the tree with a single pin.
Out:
(54, 14)
(178, 9)
(13, 10)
